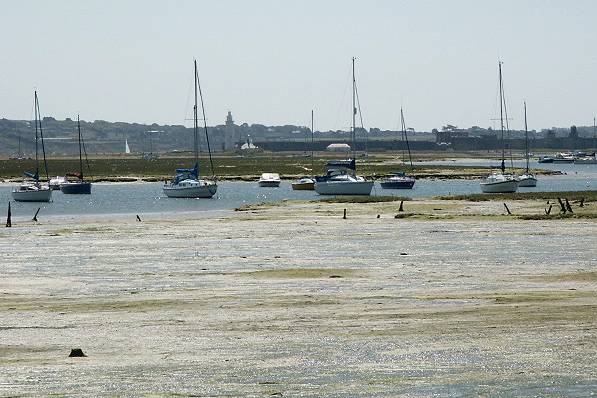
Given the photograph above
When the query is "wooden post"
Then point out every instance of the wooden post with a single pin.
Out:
(562, 207)
(138, 218)
(8, 220)
(401, 207)
(568, 207)
(36, 213)
(508, 210)
(548, 210)
(344, 217)
(582, 202)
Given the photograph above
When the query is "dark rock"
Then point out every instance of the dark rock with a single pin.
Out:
(76, 353)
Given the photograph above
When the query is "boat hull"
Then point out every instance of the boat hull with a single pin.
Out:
(271, 184)
(586, 161)
(344, 187)
(41, 195)
(397, 184)
(76, 188)
(204, 191)
(499, 186)
(303, 186)
(527, 182)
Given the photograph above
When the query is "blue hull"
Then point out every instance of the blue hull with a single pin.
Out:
(76, 188)
(397, 185)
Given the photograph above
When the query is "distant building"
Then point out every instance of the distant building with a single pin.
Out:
(229, 133)
(249, 146)
(338, 148)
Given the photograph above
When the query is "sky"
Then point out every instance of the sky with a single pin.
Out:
(272, 62)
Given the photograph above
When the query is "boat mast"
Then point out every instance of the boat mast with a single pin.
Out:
(354, 113)
(198, 86)
(41, 136)
(36, 139)
(312, 143)
(405, 138)
(195, 123)
(503, 166)
(80, 154)
(526, 137)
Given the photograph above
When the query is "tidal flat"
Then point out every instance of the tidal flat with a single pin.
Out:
(293, 300)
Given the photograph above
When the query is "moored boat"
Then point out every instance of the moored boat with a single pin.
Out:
(304, 184)
(500, 182)
(35, 191)
(79, 187)
(269, 180)
(341, 178)
(187, 182)
(398, 180)
(527, 179)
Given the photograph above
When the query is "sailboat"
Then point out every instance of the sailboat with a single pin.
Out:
(527, 179)
(399, 179)
(34, 191)
(307, 183)
(187, 182)
(127, 149)
(500, 182)
(81, 186)
(341, 178)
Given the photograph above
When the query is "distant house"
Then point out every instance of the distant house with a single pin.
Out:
(338, 148)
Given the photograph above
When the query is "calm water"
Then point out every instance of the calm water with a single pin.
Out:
(140, 198)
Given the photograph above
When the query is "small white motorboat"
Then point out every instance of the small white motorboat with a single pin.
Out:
(269, 180)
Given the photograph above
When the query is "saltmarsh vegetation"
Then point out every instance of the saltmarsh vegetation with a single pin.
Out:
(125, 168)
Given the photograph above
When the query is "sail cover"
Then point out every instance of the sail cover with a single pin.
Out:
(183, 174)
(31, 174)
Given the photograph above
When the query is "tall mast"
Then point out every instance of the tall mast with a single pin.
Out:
(80, 154)
(526, 137)
(211, 163)
(354, 113)
(36, 138)
(503, 166)
(312, 143)
(195, 123)
(406, 137)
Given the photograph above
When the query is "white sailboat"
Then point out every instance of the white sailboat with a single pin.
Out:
(527, 179)
(127, 149)
(343, 180)
(187, 182)
(500, 182)
(34, 191)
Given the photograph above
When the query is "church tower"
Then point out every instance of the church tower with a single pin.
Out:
(230, 130)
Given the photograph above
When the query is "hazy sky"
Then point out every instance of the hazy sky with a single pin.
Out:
(271, 62)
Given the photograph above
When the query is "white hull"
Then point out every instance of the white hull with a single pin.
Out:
(199, 191)
(269, 183)
(586, 161)
(344, 187)
(499, 186)
(41, 195)
(527, 181)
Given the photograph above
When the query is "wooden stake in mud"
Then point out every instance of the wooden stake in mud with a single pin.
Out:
(562, 207)
(344, 217)
(548, 210)
(138, 218)
(568, 207)
(508, 210)
(582, 202)
(36, 213)
(401, 206)
(8, 221)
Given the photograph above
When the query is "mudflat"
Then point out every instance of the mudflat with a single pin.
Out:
(450, 298)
